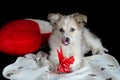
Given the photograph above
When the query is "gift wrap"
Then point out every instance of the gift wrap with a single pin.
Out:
(37, 67)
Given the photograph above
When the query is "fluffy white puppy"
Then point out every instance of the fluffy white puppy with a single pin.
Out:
(69, 33)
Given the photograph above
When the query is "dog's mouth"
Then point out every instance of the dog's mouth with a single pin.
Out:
(65, 40)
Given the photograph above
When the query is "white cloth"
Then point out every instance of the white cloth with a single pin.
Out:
(36, 67)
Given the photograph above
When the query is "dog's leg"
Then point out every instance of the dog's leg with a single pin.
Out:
(54, 60)
(78, 63)
(93, 42)
(78, 59)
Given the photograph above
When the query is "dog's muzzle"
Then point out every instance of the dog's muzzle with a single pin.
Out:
(65, 40)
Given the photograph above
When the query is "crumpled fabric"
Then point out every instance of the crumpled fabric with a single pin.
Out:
(37, 67)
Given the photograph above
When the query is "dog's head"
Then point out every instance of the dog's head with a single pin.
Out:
(67, 27)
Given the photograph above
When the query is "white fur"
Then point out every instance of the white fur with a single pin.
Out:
(81, 40)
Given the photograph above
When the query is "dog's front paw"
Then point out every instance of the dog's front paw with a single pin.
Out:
(101, 50)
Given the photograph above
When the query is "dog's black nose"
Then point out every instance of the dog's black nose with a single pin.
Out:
(67, 39)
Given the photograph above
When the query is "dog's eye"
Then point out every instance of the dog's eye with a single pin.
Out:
(72, 29)
(61, 30)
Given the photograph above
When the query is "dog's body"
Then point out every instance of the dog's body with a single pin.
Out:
(69, 33)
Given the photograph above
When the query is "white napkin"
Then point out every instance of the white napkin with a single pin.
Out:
(36, 67)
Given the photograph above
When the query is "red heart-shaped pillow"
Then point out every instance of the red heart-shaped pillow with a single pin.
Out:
(20, 37)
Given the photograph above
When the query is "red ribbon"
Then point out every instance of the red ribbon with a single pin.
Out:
(64, 62)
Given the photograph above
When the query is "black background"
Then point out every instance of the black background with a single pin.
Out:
(103, 19)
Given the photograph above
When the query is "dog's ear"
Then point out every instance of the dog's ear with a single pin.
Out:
(54, 18)
(80, 18)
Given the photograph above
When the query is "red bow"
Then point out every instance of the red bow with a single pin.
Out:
(64, 62)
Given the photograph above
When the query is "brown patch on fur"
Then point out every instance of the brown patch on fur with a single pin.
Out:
(80, 18)
(54, 18)
(57, 19)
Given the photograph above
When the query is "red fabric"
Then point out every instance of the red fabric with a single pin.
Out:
(45, 39)
(64, 62)
(20, 37)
